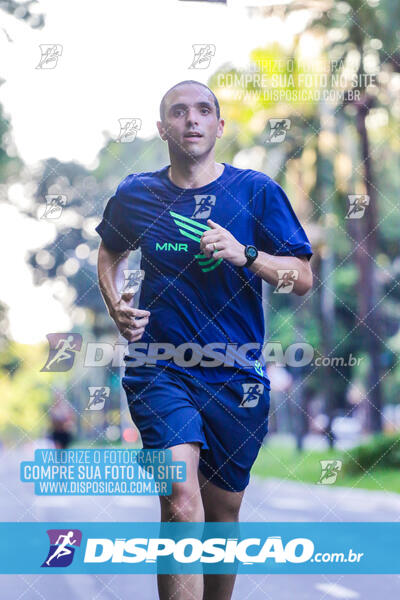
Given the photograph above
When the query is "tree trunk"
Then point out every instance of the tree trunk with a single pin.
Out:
(369, 313)
(326, 182)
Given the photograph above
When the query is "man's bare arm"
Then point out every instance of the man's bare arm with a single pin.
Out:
(266, 266)
(217, 242)
(131, 322)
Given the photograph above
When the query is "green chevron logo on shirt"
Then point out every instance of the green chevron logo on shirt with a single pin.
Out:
(193, 230)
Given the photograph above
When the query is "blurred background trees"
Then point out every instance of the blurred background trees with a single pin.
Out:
(336, 146)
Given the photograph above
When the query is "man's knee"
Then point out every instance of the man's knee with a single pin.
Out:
(219, 504)
(184, 504)
(226, 514)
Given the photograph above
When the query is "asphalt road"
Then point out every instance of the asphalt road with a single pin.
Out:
(264, 500)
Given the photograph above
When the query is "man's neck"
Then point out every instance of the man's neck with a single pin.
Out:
(194, 174)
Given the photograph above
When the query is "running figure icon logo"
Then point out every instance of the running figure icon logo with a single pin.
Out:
(203, 54)
(278, 129)
(128, 130)
(251, 394)
(329, 471)
(63, 347)
(357, 205)
(132, 280)
(204, 204)
(97, 397)
(50, 54)
(54, 206)
(62, 547)
(286, 279)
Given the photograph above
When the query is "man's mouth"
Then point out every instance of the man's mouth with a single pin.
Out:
(193, 134)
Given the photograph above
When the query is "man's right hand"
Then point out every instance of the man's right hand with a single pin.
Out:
(131, 322)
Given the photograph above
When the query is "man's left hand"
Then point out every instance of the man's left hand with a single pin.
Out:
(226, 246)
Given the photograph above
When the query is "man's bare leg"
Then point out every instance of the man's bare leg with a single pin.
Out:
(184, 505)
(219, 506)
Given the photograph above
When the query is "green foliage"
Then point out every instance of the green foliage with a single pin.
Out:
(9, 165)
(25, 392)
(281, 326)
(380, 452)
(283, 462)
(309, 171)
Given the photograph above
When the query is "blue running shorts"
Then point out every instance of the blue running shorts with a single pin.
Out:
(229, 419)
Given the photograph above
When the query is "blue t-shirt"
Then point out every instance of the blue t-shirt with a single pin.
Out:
(194, 299)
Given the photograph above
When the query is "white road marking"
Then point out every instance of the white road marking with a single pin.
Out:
(84, 586)
(50, 501)
(289, 503)
(337, 591)
(147, 501)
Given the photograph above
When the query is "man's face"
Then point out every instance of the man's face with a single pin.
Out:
(190, 125)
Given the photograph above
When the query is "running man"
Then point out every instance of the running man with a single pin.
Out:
(62, 549)
(64, 347)
(202, 293)
(98, 397)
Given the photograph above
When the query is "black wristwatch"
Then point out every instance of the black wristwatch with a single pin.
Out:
(251, 254)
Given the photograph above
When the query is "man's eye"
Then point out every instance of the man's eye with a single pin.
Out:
(178, 112)
(205, 109)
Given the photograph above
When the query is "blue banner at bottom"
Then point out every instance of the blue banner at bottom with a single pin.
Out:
(362, 548)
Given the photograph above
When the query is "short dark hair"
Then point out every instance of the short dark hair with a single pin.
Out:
(191, 81)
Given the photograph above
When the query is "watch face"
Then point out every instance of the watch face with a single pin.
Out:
(251, 252)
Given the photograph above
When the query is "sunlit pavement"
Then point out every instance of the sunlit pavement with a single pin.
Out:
(265, 500)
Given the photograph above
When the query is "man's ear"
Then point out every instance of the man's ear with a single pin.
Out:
(220, 129)
(161, 130)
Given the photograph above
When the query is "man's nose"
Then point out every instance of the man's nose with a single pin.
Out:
(191, 116)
